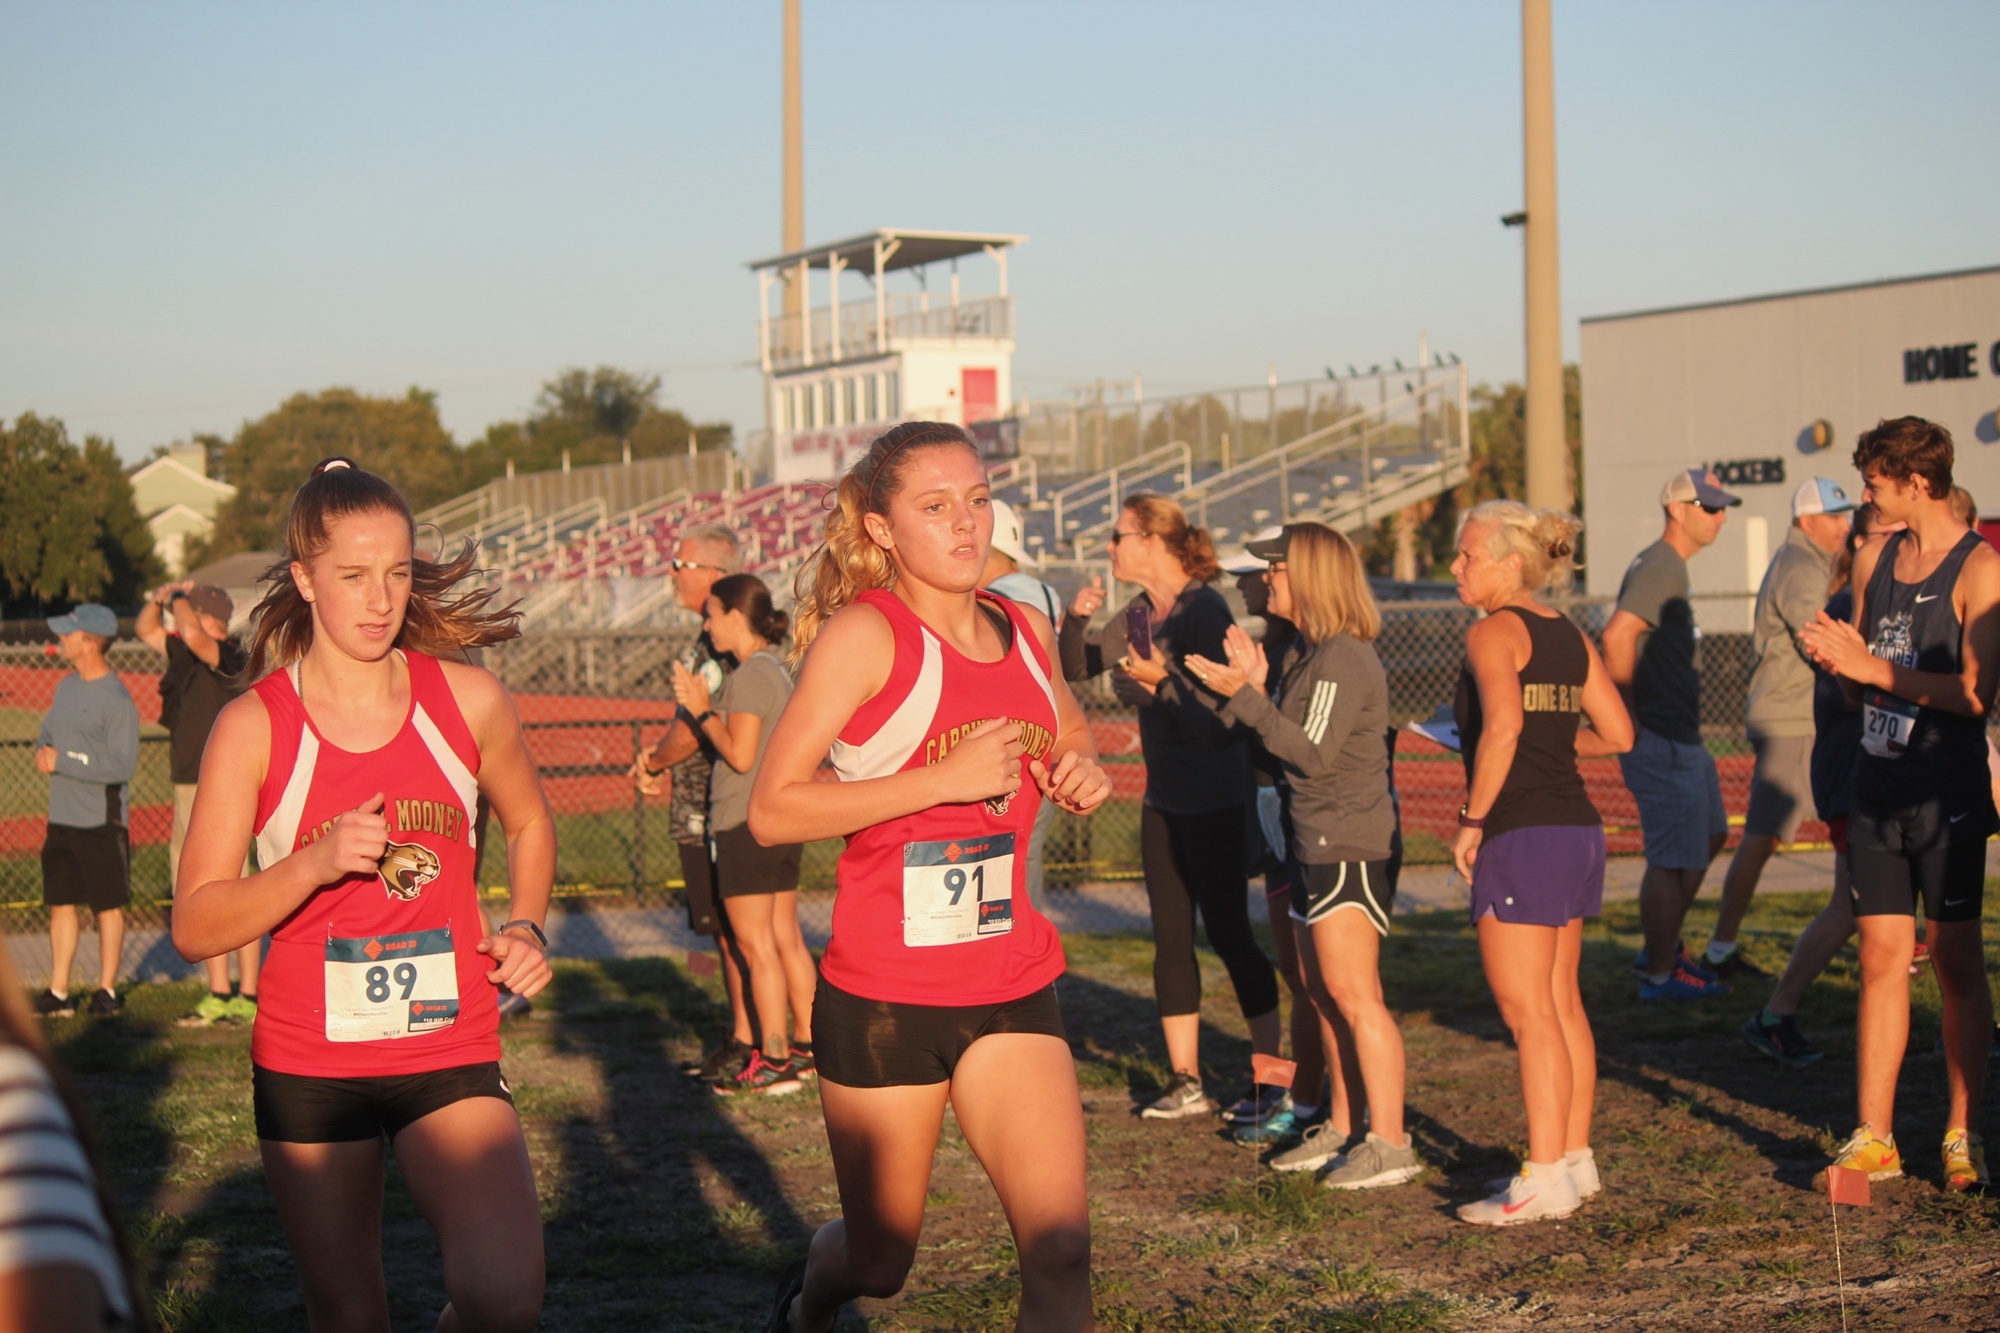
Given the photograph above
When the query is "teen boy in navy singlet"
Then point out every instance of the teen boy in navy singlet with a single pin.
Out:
(1923, 656)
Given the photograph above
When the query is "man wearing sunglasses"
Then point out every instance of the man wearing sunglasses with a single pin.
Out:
(1649, 651)
(704, 555)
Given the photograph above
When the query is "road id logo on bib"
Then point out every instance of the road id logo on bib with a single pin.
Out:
(380, 987)
(957, 890)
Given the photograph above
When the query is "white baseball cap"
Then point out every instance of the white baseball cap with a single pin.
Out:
(1245, 563)
(1817, 495)
(1007, 536)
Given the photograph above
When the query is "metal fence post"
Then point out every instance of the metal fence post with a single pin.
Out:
(638, 821)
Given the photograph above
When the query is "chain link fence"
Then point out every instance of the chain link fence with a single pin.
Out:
(589, 700)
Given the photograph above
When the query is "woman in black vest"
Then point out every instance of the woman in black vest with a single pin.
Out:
(1529, 840)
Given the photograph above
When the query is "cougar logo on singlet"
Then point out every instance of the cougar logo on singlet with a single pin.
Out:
(406, 868)
(997, 805)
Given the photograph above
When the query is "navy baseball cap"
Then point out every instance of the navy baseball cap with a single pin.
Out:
(99, 620)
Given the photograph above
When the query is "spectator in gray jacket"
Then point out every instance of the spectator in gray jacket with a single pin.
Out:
(1780, 712)
(89, 747)
(1323, 721)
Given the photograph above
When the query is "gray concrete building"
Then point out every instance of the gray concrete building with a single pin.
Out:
(1769, 390)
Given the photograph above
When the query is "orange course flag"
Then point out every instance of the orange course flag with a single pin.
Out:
(1271, 1071)
(1846, 1185)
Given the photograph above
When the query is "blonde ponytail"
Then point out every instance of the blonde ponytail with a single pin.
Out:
(1545, 539)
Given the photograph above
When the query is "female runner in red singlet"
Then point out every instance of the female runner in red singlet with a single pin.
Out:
(358, 764)
(935, 702)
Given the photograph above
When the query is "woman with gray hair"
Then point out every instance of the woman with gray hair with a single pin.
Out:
(1530, 842)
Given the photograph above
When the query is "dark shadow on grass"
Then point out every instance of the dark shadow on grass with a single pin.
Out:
(1678, 1055)
(635, 1241)
(1116, 1039)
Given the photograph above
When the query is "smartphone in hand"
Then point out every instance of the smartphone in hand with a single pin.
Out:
(1139, 629)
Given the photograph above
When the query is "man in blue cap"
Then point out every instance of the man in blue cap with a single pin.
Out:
(89, 747)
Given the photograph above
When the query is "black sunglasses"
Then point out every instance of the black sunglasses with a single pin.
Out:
(1709, 508)
(1117, 537)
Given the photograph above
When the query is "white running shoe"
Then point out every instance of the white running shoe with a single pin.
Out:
(1583, 1170)
(1527, 1198)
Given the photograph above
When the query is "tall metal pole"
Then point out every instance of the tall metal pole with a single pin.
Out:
(1549, 482)
(795, 180)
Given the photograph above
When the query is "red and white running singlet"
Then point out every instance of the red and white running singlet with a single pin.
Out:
(376, 974)
(933, 907)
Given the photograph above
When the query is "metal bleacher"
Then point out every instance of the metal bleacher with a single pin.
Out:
(1331, 458)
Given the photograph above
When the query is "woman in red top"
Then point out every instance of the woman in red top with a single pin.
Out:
(358, 764)
(947, 726)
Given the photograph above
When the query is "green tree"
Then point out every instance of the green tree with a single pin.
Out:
(590, 415)
(69, 529)
(1498, 470)
(401, 438)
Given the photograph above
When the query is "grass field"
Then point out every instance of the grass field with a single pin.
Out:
(667, 1209)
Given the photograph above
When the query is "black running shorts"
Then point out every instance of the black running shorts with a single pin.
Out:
(698, 875)
(1924, 854)
(744, 866)
(1367, 886)
(298, 1108)
(87, 867)
(879, 1044)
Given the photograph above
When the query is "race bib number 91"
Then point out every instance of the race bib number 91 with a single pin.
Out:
(386, 986)
(957, 890)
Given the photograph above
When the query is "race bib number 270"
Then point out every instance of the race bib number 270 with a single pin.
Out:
(385, 986)
(957, 890)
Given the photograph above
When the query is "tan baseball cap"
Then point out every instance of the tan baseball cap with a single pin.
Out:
(1696, 486)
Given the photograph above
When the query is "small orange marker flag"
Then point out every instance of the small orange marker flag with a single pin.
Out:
(1271, 1071)
(1846, 1185)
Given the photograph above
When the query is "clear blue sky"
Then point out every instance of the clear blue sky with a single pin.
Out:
(205, 207)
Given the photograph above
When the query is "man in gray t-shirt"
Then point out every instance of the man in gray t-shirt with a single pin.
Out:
(1779, 712)
(89, 748)
(1649, 652)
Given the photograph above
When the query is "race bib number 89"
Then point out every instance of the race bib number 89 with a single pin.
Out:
(387, 986)
(957, 890)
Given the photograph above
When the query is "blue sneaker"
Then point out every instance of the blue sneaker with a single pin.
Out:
(1280, 1128)
(1682, 959)
(1682, 985)
(1263, 1100)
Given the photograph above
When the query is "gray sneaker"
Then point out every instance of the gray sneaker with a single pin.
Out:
(1182, 1098)
(1373, 1163)
(1321, 1144)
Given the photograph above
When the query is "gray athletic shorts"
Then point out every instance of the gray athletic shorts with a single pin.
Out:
(1780, 787)
(1680, 800)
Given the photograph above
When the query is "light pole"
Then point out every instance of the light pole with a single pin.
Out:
(795, 182)
(1549, 482)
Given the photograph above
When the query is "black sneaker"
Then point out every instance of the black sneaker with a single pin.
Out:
(803, 1064)
(51, 1005)
(772, 1078)
(1782, 1041)
(719, 1062)
(104, 1004)
(1738, 968)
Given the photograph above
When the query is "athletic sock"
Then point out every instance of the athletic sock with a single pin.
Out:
(59, 994)
(1547, 1170)
(1719, 950)
(1767, 1019)
(1305, 1110)
(1660, 979)
(1580, 1155)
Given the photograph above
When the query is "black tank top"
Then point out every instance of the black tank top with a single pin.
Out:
(1911, 754)
(1542, 786)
